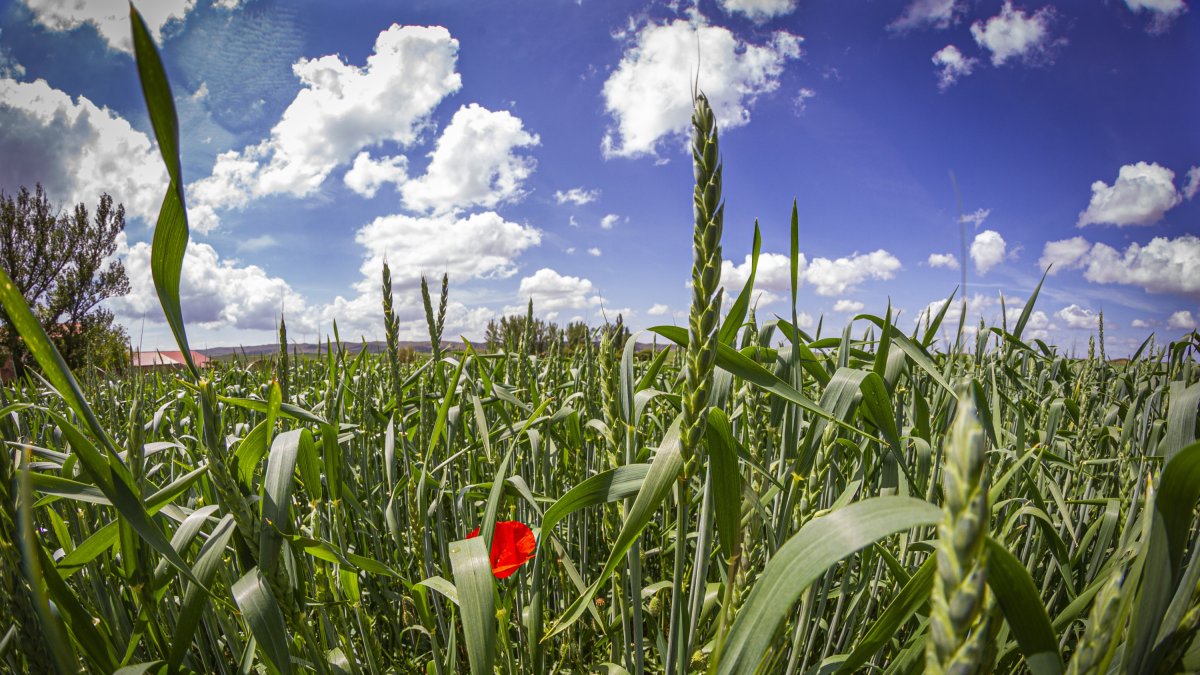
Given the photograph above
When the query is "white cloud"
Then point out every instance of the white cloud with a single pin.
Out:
(939, 14)
(800, 103)
(340, 110)
(952, 65)
(593, 251)
(1161, 266)
(986, 309)
(482, 245)
(577, 196)
(1162, 12)
(774, 274)
(649, 92)
(659, 310)
(828, 277)
(110, 18)
(572, 222)
(834, 277)
(76, 150)
(1182, 319)
(977, 307)
(1079, 317)
(987, 250)
(848, 306)
(943, 260)
(1141, 195)
(1192, 183)
(758, 10)
(607, 222)
(976, 217)
(214, 293)
(1063, 254)
(473, 163)
(366, 175)
(1013, 34)
(553, 291)
(1139, 323)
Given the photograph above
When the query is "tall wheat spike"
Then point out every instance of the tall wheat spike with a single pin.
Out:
(956, 618)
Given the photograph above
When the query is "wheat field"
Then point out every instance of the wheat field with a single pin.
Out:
(749, 499)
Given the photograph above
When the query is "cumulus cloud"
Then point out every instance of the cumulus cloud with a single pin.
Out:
(659, 310)
(474, 163)
(607, 222)
(987, 250)
(340, 110)
(1192, 183)
(774, 273)
(1161, 266)
(845, 305)
(943, 260)
(758, 10)
(214, 292)
(480, 246)
(986, 309)
(1063, 254)
(76, 149)
(367, 175)
(1142, 193)
(577, 196)
(1183, 320)
(1162, 12)
(834, 277)
(1140, 323)
(939, 14)
(1079, 317)
(828, 277)
(648, 94)
(1014, 35)
(952, 65)
(594, 251)
(552, 291)
(977, 308)
(110, 18)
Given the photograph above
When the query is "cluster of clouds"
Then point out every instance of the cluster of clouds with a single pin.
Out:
(363, 123)
(1014, 35)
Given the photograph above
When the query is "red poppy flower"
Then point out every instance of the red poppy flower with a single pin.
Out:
(513, 545)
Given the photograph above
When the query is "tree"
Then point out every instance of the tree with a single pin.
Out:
(64, 265)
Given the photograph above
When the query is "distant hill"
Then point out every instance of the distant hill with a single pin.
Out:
(375, 347)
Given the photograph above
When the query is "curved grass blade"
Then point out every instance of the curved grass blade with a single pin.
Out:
(664, 469)
(473, 580)
(1023, 610)
(818, 545)
(171, 231)
(265, 619)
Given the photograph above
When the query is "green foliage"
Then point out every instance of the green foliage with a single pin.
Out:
(62, 264)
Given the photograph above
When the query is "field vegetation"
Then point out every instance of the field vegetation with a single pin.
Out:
(753, 499)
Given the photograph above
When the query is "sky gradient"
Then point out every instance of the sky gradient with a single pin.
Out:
(538, 149)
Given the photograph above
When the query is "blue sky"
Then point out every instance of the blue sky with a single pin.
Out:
(538, 149)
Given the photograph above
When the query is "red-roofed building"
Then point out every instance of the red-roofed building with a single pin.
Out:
(166, 360)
